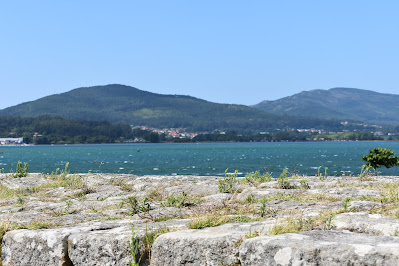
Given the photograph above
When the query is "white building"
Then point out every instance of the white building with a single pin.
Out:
(10, 141)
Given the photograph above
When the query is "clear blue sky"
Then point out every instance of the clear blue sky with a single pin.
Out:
(222, 51)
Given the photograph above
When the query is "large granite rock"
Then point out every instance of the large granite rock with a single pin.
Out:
(375, 224)
(23, 217)
(346, 192)
(24, 182)
(320, 248)
(259, 193)
(195, 189)
(362, 205)
(45, 246)
(210, 246)
(111, 247)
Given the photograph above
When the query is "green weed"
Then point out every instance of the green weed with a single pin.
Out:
(320, 175)
(5, 226)
(282, 181)
(136, 206)
(155, 195)
(296, 224)
(178, 202)
(251, 199)
(21, 171)
(345, 204)
(256, 178)
(242, 219)
(209, 220)
(20, 200)
(365, 171)
(149, 239)
(140, 249)
(228, 183)
(134, 249)
(304, 185)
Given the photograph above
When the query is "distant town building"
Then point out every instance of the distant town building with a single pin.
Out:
(11, 141)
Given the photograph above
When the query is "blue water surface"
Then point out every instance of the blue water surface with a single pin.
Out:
(197, 159)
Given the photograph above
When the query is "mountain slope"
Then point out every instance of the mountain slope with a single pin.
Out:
(124, 104)
(338, 103)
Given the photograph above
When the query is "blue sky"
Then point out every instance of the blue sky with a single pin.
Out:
(222, 51)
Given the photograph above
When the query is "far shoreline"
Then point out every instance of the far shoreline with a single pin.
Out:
(205, 142)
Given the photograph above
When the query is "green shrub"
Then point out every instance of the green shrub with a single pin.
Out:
(380, 157)
(136, 206)
(180, 201)
(21, 171)
(228, 183)
(282, 181)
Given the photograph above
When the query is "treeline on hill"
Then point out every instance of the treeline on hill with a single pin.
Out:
(351, 136)
(233, 136)
(57, 130)
(284, 136)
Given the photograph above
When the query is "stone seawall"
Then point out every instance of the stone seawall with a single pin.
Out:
(112, 219)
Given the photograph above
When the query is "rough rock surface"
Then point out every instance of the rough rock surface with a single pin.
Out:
(362, 205)
(210, 246)
(87, 219)
(264, 192)
(45, 246)
(320, 248)
(346, 192)
(25, 182)
(111, 246)
(375, 224)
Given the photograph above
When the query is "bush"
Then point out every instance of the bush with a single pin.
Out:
(181, 201)
(21, 171)
(282, 181)
(136, 206)
(380, 157)
(228, 183)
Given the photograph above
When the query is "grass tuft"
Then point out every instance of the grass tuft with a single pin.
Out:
(256, 178)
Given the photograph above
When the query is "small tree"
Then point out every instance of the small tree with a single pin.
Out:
(380, 157)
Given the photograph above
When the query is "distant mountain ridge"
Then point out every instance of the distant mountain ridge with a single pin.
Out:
(124, 104)
(338, 103)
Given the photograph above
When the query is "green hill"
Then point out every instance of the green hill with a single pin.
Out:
(338, 103)
(124, 104)
(57, 130)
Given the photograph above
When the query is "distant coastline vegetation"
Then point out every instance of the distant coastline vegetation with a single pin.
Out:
(57, 130)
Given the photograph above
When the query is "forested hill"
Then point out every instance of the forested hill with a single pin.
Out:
(338, 103)
(128, 105)
(58, 130)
